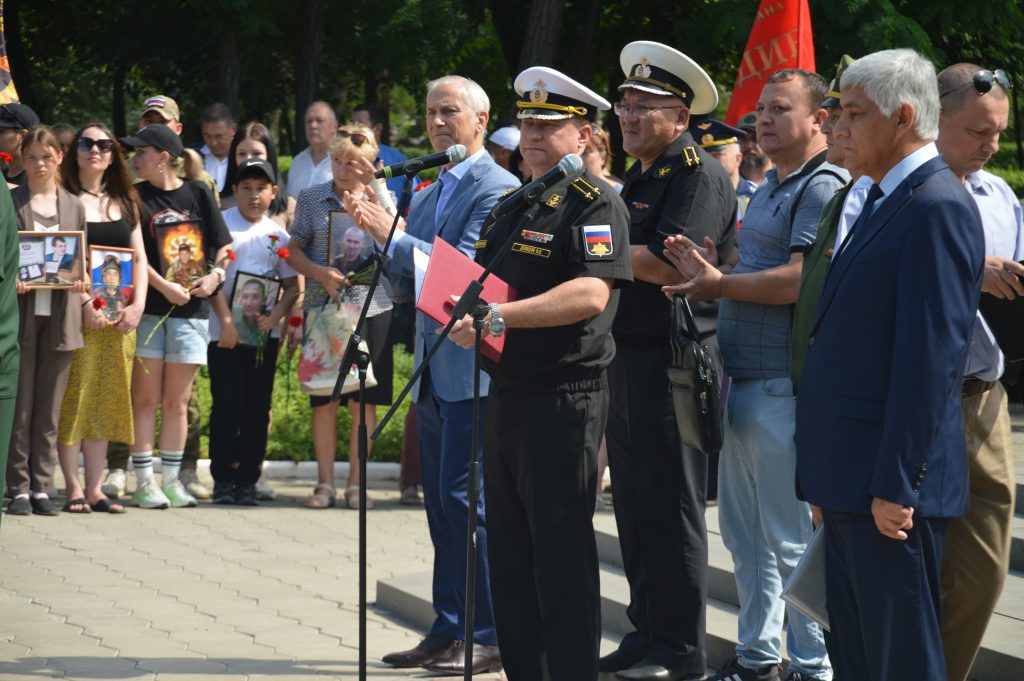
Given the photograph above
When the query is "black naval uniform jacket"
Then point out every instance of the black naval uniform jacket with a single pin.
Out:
(686, 191)
(580, 229)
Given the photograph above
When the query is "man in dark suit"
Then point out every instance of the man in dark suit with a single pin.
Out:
(453, 208)
(880, 438)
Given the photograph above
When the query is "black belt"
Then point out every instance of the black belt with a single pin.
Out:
(975, 386)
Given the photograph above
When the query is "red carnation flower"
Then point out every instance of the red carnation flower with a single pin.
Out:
(230, 254)
(295, 321)
(274, 238)
(283, 253)
(5, 157)
(98, 303)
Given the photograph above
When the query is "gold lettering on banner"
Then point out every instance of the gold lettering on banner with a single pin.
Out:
(769, 11)
(766, 58)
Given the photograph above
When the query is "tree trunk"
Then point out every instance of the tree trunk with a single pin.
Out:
(229, 70)
(578, 56)
(509, 25)
(308, 80)
(540, 44)
(117, 113)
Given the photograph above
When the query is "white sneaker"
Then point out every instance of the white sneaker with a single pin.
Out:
(264, 492)
(191, 482)
(116, 483)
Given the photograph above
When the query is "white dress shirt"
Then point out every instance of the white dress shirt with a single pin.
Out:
(216, 167)
(304, 174)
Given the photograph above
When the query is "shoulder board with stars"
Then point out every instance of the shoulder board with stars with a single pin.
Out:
(589, 191)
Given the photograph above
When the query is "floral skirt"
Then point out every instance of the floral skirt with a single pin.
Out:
(98, 401)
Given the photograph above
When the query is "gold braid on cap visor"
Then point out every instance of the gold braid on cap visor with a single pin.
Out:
(574, 110)
(666, 86)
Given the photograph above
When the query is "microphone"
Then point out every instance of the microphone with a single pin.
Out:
(453, 154)
(571, 165)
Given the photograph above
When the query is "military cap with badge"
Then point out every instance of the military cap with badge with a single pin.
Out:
(831, 100)
(712, 135)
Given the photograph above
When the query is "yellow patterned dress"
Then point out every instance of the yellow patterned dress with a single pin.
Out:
(98, 401)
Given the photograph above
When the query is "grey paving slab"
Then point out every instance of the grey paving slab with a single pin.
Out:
(182, 595)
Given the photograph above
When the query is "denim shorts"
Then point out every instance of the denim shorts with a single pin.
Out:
(176, 341)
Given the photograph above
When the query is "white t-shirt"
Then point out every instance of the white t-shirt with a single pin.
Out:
(303, 174)
(253, 249)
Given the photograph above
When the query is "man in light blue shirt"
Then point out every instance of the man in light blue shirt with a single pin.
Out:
(975, 110)
(374, 117)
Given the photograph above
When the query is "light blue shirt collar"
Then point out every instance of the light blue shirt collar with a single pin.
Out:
(459, 170)
(904, 168)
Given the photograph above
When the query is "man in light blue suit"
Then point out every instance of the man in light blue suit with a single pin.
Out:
(879, 432)
(453, 208)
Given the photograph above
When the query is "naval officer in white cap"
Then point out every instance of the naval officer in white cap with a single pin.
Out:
(548, 399)
(660, 484)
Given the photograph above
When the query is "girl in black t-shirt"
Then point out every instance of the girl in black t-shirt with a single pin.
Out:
(173, 335)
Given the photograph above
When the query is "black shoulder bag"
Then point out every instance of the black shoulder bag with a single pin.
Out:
(695, 381)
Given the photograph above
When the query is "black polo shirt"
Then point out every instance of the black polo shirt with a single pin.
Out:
(580, 229)
(686, 191)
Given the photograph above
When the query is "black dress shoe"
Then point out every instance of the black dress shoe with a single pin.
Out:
(653, 672)
(620, 659)
(425, 651)
(20, 506)
(453, 661)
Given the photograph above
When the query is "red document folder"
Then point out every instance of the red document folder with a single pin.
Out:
(448, 274)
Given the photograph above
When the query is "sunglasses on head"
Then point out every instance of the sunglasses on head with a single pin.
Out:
(357, 138)
(87, 143)
(983, 82)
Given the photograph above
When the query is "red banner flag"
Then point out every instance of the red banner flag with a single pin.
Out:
(7, 92)
(780, 39)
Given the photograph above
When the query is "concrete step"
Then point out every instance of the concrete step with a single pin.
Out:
(409, 598)
(1000, 659)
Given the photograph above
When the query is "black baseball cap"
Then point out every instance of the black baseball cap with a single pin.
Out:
(256, 167)
(158, 136)
(17, 116)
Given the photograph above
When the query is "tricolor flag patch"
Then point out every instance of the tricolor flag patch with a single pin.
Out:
(597, 242)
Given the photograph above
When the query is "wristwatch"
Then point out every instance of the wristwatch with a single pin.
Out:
(497, 324)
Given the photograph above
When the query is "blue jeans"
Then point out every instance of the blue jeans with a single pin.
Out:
(764, 525)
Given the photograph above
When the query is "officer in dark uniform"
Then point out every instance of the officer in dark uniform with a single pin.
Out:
(659, 484)
(548, 399)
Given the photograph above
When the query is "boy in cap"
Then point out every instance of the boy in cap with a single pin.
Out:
(660, 484)
(15, 121)
(548, 398)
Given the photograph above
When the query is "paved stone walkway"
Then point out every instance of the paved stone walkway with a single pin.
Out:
(214, 593)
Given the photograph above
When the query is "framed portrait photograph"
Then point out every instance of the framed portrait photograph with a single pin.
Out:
(252, 295)
(52, 260)
(112, 277)
(181, 251)
(349, 248)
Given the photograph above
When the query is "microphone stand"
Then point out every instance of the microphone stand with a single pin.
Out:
(469, 303)
(354, 355)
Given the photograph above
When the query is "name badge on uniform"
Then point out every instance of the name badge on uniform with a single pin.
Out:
(527, 249)
(537, 237)
(597, 242)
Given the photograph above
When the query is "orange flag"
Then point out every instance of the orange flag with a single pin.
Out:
(780, 39)
(7, 92)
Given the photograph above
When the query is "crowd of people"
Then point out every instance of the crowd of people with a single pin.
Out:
(833, 245)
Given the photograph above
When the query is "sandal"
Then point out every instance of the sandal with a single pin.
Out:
(104, 505)
(352, 498)
(79, 505)
(324, 496)
(410, 496)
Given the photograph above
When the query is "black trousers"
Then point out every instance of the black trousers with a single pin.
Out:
(883, 599)
(241, 389)
(659, 489)
(540, 453)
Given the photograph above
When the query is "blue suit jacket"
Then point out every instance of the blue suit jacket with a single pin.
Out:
(451, 369)
(878, 410)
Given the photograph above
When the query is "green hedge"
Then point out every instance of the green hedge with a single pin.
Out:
(291, 436)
